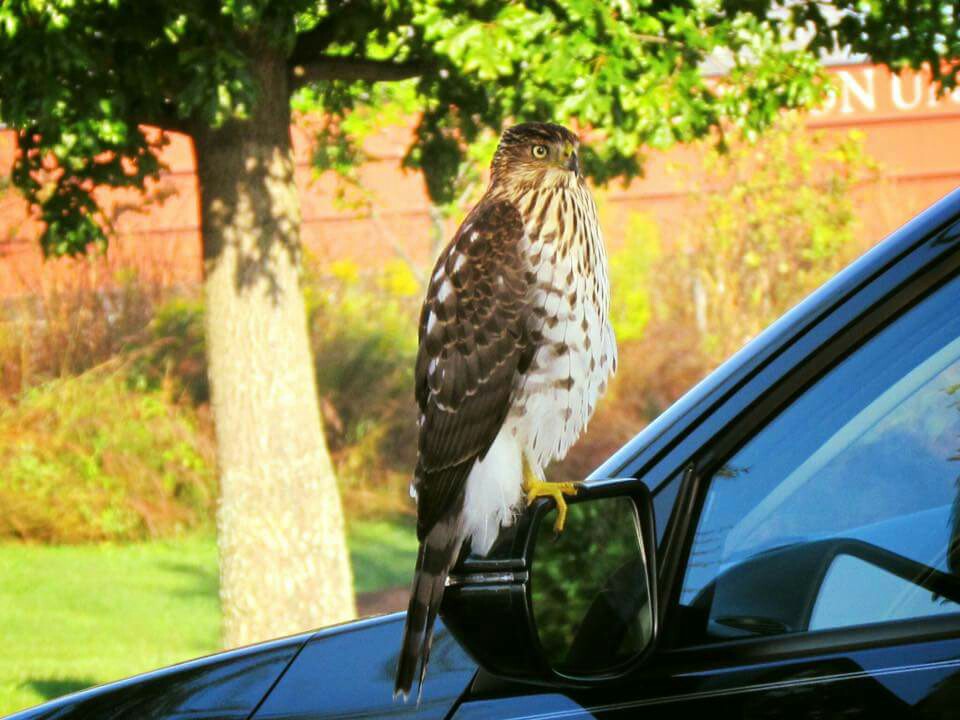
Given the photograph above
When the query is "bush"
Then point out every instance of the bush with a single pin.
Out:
(363, 330)
(767, 223)
(66, 329)
(86, 458)
(172, 352)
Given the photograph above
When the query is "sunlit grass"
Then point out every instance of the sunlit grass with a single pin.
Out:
(75, 616)
(383, 553)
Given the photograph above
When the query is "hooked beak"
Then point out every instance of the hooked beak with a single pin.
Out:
(573, 162)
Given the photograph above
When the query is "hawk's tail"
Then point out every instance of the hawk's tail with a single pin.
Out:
(438, 553)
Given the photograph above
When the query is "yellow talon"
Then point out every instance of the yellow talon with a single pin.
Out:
(534, 487)
(555, 490)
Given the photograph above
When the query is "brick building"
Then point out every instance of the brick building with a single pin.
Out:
(914, 135)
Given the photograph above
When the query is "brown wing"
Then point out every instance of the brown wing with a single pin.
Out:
(473, 341)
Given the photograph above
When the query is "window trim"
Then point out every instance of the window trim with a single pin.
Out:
(849, 325)
(910, 631)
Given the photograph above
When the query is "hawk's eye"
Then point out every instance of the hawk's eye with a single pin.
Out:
(539, 151)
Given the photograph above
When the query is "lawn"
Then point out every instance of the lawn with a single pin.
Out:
(74, 616)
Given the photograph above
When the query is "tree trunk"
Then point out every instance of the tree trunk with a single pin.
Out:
(283, 560)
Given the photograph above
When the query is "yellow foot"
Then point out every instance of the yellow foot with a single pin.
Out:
(555, 490)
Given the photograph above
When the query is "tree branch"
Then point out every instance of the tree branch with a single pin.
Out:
(384, 229)
(314, 40)
(164, 117)
(345, 68)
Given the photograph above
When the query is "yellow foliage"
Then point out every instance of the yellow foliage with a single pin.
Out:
(399, 281)
(630, 269)
(770, 222)
(346, 271)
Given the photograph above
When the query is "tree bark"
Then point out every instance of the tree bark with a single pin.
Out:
(283, 560)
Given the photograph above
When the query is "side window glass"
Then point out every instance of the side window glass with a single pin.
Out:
(843, 510)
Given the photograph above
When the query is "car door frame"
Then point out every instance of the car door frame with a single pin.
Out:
(677, 454)
(893, 289)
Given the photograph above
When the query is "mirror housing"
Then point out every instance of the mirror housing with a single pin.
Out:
(489, 602)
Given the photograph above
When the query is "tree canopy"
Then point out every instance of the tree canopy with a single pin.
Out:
(79, 79)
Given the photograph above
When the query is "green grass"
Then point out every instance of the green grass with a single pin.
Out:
(75, 616)
(383, 553)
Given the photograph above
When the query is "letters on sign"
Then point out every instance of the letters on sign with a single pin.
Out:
(867, 90)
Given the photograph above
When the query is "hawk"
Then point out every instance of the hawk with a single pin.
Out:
(515, 349)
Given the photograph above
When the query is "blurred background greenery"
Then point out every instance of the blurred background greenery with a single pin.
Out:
(106, 445)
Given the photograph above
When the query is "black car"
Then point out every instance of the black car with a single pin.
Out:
(783, 541)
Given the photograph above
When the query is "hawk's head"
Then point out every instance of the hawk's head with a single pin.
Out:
(536, 155)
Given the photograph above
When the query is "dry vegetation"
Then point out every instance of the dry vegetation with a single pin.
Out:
(767, 224)
(103, 422)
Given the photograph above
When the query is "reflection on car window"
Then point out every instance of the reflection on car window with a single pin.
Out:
(890, 598)
(851, 492)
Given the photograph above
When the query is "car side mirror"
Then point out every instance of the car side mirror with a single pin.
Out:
(567, 610)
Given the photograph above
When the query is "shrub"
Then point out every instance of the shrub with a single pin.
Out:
(363, 329)
(767, 223)
(171, 353)
(86, 458)
(630, 269)
(363, 332)
(67, 328)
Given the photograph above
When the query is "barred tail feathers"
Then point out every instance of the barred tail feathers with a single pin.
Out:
(438, 553)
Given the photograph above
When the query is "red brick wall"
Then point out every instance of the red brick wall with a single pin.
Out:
(911, 133)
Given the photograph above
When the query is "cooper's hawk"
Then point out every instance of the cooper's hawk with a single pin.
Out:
(515, 349)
